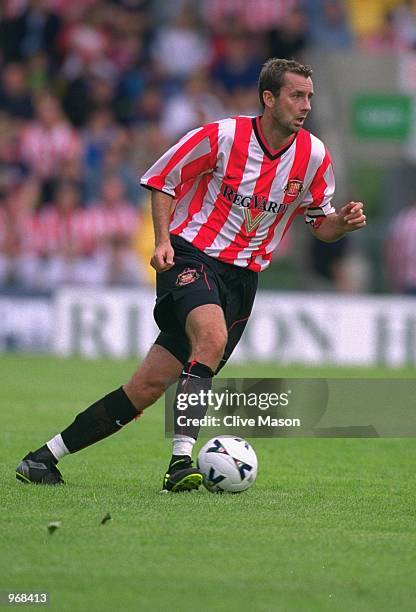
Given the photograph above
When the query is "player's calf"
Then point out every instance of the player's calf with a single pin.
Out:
(103, 418)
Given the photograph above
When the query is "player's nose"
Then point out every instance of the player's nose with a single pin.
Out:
(306, 107)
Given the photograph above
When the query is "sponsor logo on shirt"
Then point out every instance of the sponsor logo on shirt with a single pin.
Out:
(255, 203)
(255, 207)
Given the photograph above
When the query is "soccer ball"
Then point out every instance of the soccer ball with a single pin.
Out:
(228, 464)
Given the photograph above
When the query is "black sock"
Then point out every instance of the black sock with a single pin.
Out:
(100, 420)
(194, 377)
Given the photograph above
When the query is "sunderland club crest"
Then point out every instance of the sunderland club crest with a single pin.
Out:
(293, 188)
(186, 277)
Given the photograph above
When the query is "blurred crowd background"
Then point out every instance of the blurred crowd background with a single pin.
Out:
(93, 91)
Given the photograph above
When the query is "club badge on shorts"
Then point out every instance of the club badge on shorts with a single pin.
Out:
(186, 277)
(293, 188)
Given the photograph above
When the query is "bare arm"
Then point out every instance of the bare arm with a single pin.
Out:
(163, 254)
(348, 219)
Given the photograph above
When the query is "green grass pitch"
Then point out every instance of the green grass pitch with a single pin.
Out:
(329, 524)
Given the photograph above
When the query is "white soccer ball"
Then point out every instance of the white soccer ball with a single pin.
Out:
(228, 463)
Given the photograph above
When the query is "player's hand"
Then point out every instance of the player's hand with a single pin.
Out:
(352, 216)
(162, 259)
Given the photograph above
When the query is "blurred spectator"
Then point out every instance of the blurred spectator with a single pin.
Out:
(98, 136)
(253, 15)
(9, 246)
(120, 263)
(330, 28)
(386, 39)
(15, 96)
(17, 199)
(243, 101)
(12, 169)
(126, 48)
(115, 221)
(131, 86)
(130, 54)
(115, 161)
(289, 38)
(82, 40)
(89, 74)
(239, 65)
(398, 30)
(194, 106)
(112, 215)
(179, 49)
(327, 261)
(336, 266)
(148, 144)
(48, 140)
(404, 21)
(33, 31)
(148, 108)
(401, 252)
(71, 170)
(92, 89)
(57, 245)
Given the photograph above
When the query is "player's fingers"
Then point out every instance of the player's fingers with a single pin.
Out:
(358, 225)
(157, 263)
(353, 209)
(357, 219)
(169, 258)
(160, 267)
(160, 264)
(348, 207)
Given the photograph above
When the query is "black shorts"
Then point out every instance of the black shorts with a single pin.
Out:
(197, 279)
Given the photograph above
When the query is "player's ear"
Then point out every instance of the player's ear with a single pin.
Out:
(268, 98)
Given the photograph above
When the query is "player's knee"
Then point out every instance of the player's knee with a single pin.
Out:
(211, 344)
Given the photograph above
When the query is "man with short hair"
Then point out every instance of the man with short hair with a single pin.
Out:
(223, 198)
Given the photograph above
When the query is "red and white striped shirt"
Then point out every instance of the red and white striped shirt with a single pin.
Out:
(46, 149)
(83, 230)
(235, 198)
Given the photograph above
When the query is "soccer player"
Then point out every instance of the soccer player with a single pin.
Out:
(222, 199)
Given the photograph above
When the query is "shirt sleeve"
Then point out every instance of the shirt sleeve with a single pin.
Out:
(195, 154)
(317, 202)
